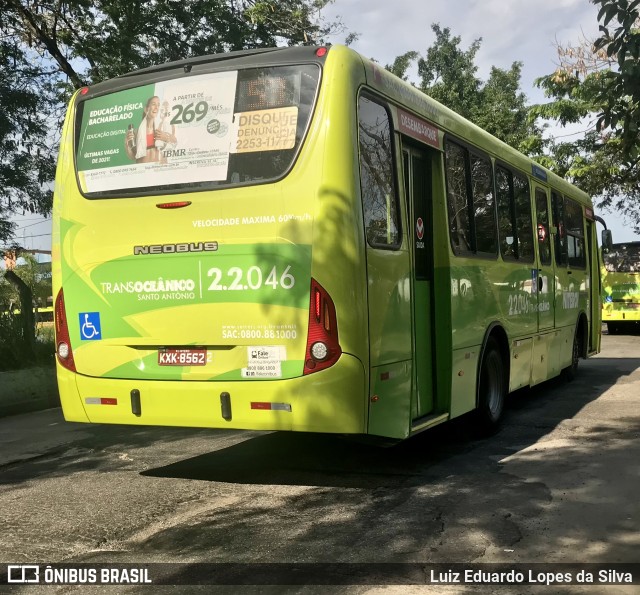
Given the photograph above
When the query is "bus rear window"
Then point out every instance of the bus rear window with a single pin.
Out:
(194, 133)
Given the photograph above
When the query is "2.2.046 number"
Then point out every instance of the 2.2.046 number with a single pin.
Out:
(252, 278)
(519, 304)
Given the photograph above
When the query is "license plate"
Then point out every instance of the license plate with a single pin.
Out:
(182, 357)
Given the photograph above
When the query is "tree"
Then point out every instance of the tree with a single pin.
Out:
(598, 84)
(401, 64)
(37, 277)
(620, 90)
(449, 75)
(48, 49)
(22, 289)
(26, 158)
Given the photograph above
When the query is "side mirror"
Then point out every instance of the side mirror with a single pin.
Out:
(607, 239)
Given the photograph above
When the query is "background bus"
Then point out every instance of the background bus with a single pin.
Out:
(42, 315)
(295, 239)
(621, 287)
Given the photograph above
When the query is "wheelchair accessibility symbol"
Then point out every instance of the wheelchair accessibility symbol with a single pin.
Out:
(90, 326)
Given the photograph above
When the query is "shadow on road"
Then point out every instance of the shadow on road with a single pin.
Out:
(333, 461)
(538, 488)
(441, 497)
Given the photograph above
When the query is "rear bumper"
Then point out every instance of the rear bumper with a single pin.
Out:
(619, 313)
(333, 400)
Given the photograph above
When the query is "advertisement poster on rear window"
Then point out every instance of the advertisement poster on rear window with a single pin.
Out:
(171, 132)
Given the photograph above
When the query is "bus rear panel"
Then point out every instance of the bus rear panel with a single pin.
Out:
(190, 287)
(621, 287)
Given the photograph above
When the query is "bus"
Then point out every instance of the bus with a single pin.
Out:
(621, 287)
(296, 239)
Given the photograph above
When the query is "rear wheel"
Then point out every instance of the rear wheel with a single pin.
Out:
(571, 371)
(492, 387)
(613, 328)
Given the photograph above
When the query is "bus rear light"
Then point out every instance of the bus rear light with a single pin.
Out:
(174, 205)
(63, 350)
(319, 351)
(323, 349)
(327, 318)
(63, 341)
(322, 51)
(317, 300)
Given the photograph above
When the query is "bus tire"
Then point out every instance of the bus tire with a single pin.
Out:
(613, 328)
(571, 371)
(492, 388)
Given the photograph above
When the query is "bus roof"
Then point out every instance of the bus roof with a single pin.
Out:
(203, 64)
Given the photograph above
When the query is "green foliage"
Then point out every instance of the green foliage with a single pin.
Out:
(34, 275)
(502, 111)
(12, 343)
(605, 94)
(14, 351)
(448, 73)
(401, 64)
(26, 158)
(620, 93)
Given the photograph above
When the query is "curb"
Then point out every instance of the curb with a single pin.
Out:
(27, 390)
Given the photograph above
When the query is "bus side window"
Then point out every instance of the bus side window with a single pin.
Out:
(506, 213)
(557, 205)
(523, 218)
(379, 197)
(544, 243)
(514, 215)
(574, 228)
(483, 206)
(457, 199)
(470, 201)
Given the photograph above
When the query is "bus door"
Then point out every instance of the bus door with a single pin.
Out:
(545, 273)
(593, 272)
(388, 274)
(417, 182)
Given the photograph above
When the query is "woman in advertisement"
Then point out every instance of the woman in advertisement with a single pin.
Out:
(154, 134)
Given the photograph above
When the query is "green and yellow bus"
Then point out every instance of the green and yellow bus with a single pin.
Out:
(621, 287)
(295, 239)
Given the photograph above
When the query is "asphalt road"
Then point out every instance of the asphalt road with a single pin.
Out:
(559, 483)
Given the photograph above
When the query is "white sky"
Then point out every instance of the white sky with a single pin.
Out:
(511, 30)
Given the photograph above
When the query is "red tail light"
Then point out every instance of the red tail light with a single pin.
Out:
(323, 349)
(63, 341)
(174, 205)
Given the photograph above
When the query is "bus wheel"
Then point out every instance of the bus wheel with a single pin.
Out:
(571, 371)
(492, 387)
(613, 328)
